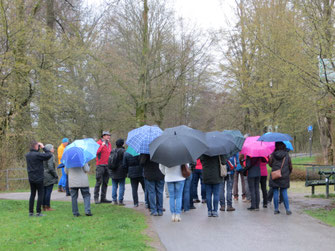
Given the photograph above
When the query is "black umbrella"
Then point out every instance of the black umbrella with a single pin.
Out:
(185, 130)
(176, 149)
(220, 144)
(238, 139)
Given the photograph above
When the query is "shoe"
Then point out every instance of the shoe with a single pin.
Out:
(210, 214)
(173, 218)
(105, 201)
(76, 215)
(230, 209)
(257, 209)
(136, 205)
(89, 214)
(96, 201)
(196, 201)
(193, 207)
(115, 202)
(154, 214)
(235, 197)
(31, 214)
(43, 208)
(47, 208)
(121, 203)
(288, 212)
(222, 208)
(163, 209)
(68, 194)
(251, 208)
(203, 201)
(243, 198)
(40, 215)
(178, 219)
(276, 212)
(215, 214)
(265, 206)
(160, 214)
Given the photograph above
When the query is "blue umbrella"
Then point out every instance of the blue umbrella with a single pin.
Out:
(140, 138)
(73, 157)
(274, 137)
(288, 145)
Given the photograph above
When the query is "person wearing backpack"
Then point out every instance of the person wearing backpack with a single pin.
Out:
(117, 172)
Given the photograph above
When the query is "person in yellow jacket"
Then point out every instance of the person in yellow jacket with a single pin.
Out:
(60, 151)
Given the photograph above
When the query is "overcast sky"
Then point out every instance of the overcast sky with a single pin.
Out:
(208, 14)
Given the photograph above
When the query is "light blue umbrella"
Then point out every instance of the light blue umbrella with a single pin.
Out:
(288, 145)
(89, 151)
(140, 138)
(274, 137)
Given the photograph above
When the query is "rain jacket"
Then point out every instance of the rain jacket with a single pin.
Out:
(103, 153)
(119, 172)
(50, 174)
(211, 169)
(150, 168)
(60, 151)
(78, 176)
(132, 165)
(35, 164)
(276, 160)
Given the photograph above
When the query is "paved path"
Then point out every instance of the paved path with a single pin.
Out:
(239, 230)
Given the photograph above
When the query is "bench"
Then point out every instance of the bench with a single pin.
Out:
(320, 176)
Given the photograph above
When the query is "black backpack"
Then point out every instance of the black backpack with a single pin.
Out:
(112, 160)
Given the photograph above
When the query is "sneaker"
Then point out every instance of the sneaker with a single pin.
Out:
(154, 213)
(235, 197)
(121, 203)
(222, 208)
(40, 215)
(136, 205)
(210, 214)
(89, 214)
(265, 206)
(31, 214)
(288, 212)
(105, 201)
(276, 212)
(230, 209)
(203, 201)
(160, 214)
(243, 198)
(196, 201)
(178, 219)
(115, 202)
(215, 214)
(173, 218)
(76, 215)
(96, 201)
(251, 208)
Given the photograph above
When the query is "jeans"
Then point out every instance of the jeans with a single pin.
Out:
(155, 194)
(254, 191)
(197, 174)
(134, 187)
(235, 188)
(270, 195)
(47, 195)
(146, 193)
(264, 192)
(85, 192)
(102, 177)
(283, 192)
(115, 185)
(212, 191)
(39, 187)
(229, 180)
(187, 193)
(175, 196)
(247, 190)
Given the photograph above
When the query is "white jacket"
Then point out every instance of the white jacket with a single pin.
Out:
(78, 176)
(172, 174)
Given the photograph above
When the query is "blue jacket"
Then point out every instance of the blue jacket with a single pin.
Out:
(232, 164)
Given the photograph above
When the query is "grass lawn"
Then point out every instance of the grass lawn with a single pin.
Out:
(327, 216)
(92, 180)
(110, 228)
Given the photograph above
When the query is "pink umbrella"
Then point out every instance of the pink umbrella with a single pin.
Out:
(254, 148)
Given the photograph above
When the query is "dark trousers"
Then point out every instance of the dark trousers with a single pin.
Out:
(134, 187)
(39, 187)
(47, 195)
(102, 177)
(254, 191)
(264, 191)
(196, 176)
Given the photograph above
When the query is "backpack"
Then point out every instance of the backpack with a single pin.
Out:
(112, 160)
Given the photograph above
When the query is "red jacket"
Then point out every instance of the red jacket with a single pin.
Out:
(103, 153)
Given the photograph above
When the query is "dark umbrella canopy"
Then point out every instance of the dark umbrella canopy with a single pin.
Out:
(275, 137)
(238, 139)
(220, 144)
(185, 130)
(176, 149)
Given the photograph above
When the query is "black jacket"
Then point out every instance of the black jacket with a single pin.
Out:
(211, 169)
(276, 160)
(253, 166)
(35, 166)
(132, 164)
(150, 168)
(119, 172)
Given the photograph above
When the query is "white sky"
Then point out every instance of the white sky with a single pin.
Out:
(207, 14)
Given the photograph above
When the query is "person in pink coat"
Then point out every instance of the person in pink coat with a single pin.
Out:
(263, 180)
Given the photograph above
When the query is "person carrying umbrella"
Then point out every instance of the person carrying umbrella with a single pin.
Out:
(62, 184)
(102, 172)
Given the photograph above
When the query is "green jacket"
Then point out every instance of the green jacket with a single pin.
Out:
(211, 169)
(50, 174)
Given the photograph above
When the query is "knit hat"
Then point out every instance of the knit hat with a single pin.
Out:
(119, 142)
(65, 140)
(48, 147)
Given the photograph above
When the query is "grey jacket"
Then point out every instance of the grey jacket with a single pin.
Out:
(50, 174)
(78, 176)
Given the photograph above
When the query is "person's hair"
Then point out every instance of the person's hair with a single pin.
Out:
(280, 146)
(33, 143)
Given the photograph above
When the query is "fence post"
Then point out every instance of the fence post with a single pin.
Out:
(7, 184)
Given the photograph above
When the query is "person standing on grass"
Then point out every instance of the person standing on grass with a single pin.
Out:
(35, 171)
(117, 172)
(78, 180)
(175, 183)
(102, 172)
(135, 173)
(63, 180)
(50, 178)
(280, 159)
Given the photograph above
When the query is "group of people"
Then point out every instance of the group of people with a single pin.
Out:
(181, 181)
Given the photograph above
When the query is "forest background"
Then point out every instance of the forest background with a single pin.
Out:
(67, 70)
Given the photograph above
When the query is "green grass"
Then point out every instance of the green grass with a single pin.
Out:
(92, 180)
(321, 196)
(326, 216)
(110, 228)
(302, 160)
